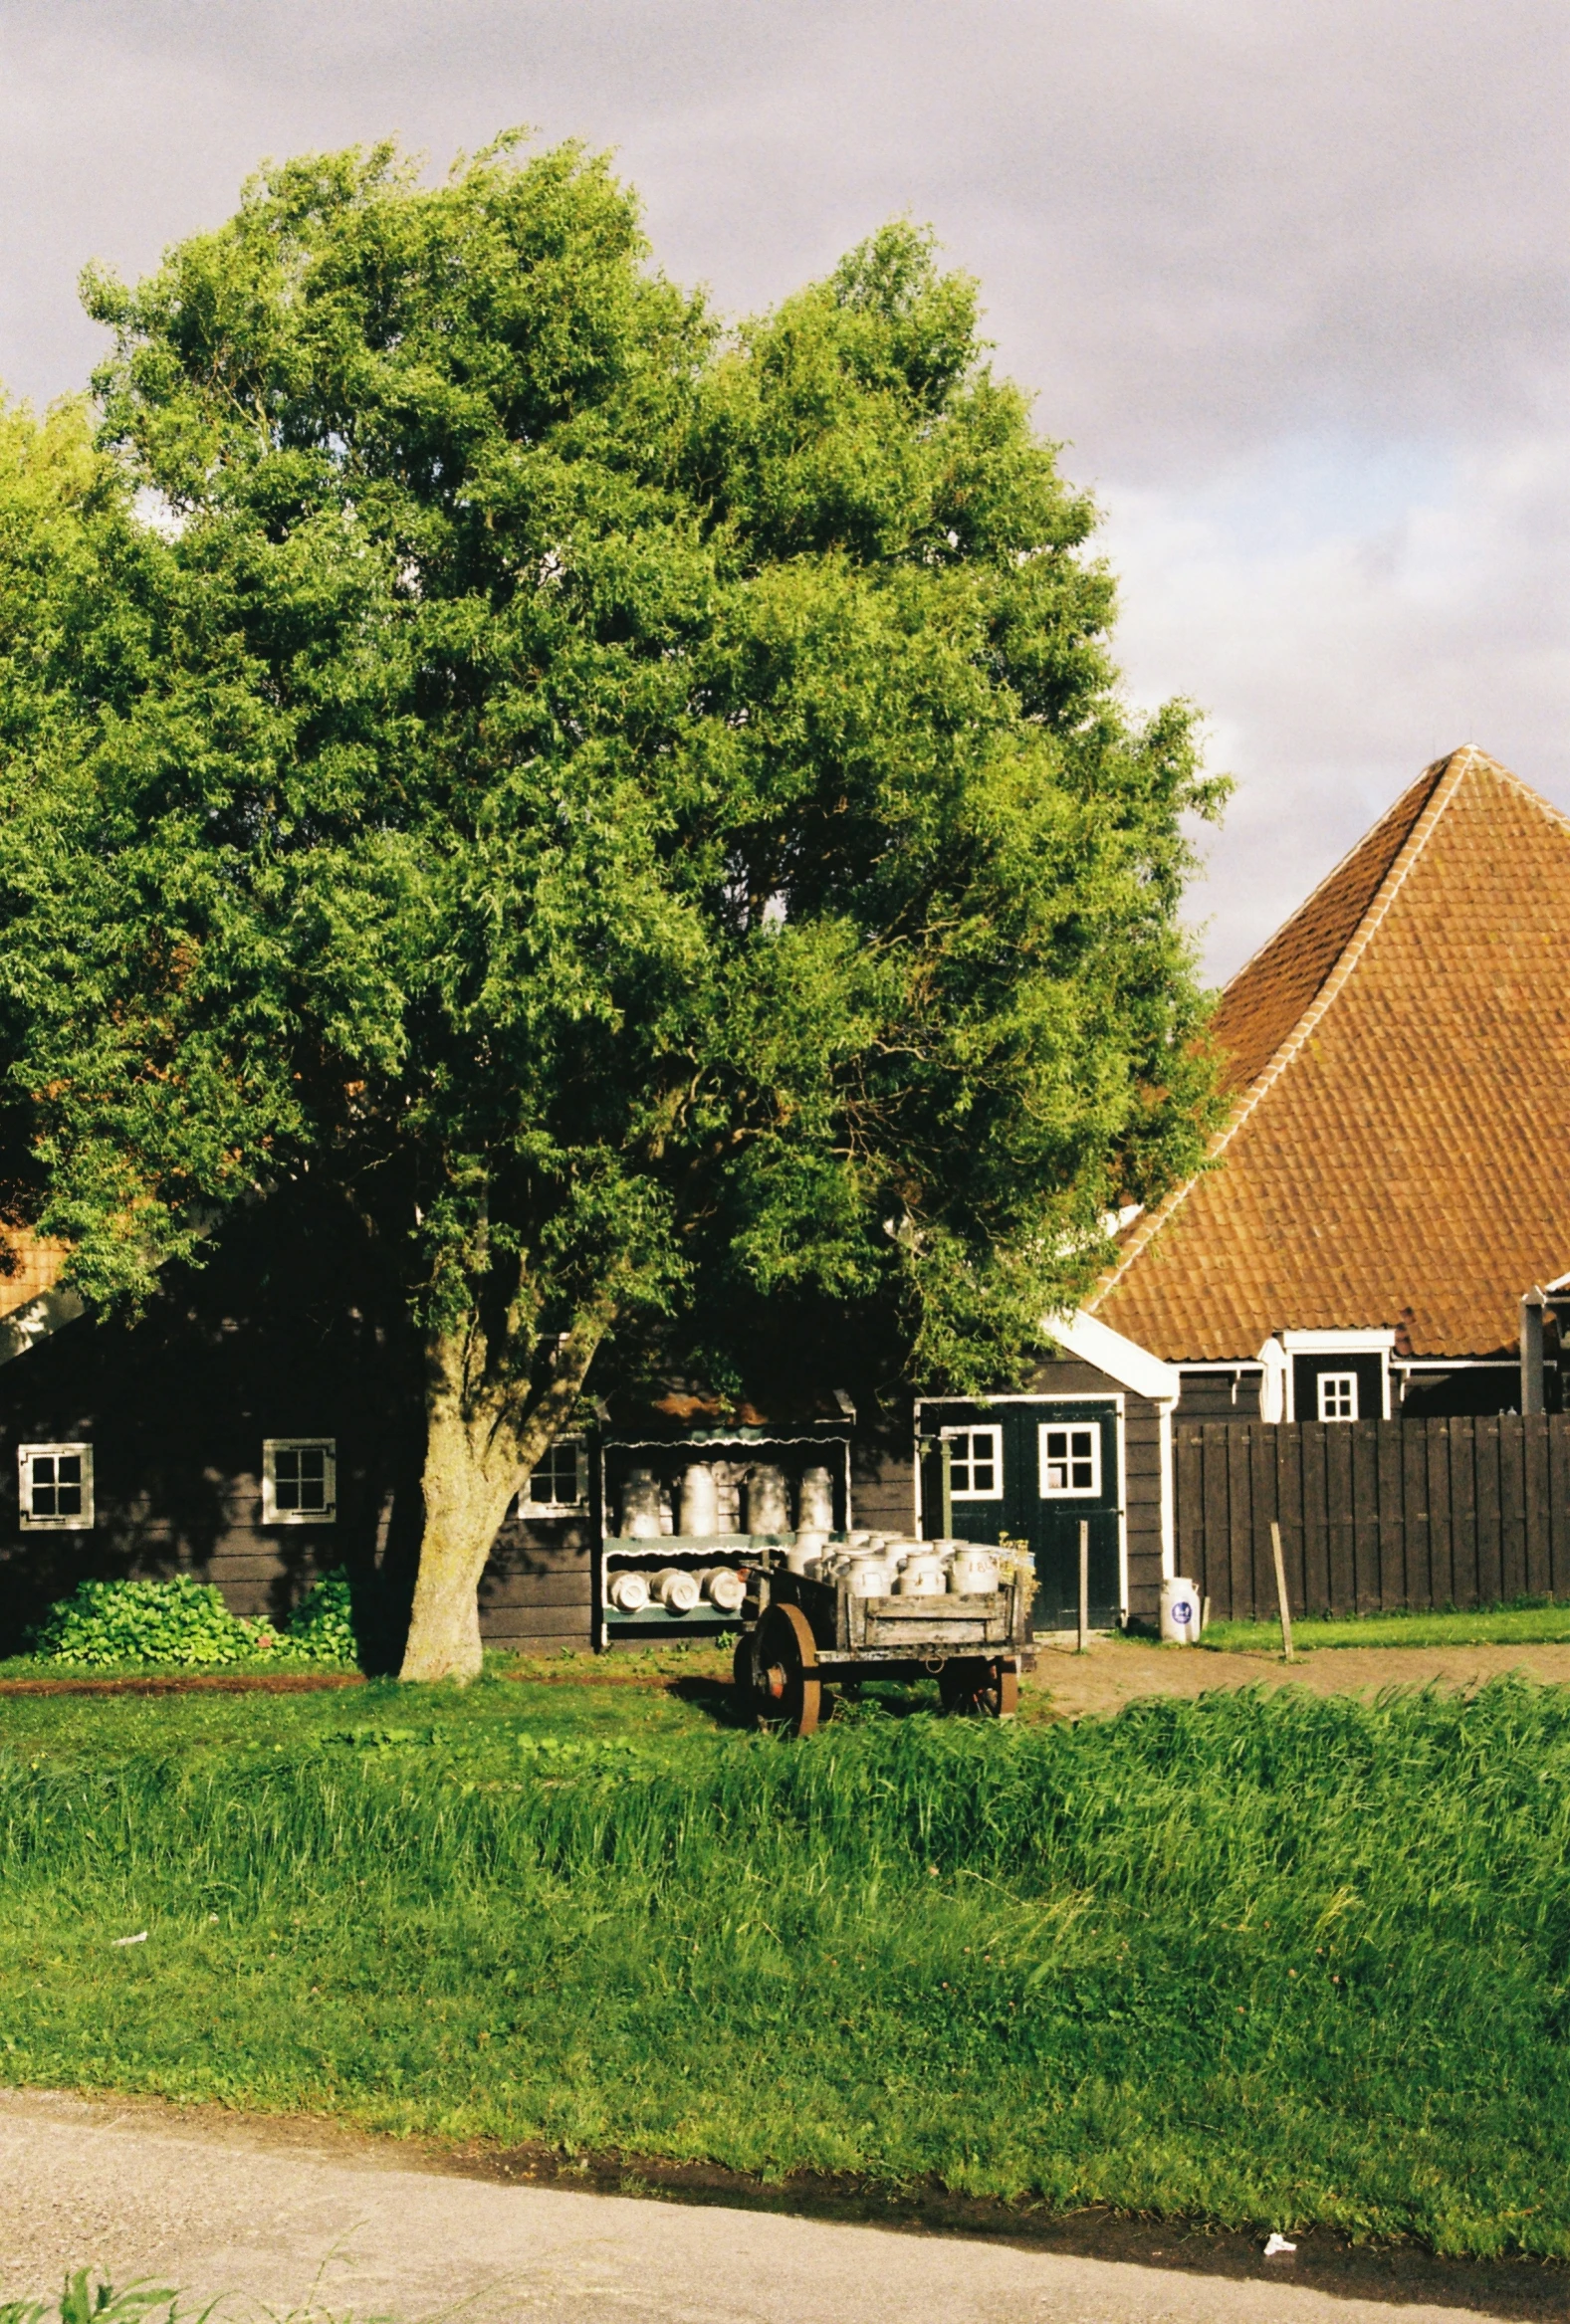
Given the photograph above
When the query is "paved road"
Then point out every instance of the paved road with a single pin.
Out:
(270, 2219)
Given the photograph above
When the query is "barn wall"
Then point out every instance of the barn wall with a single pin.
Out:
(288, 1332)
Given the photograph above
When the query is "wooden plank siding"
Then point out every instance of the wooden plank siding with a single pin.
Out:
(1374, 1514)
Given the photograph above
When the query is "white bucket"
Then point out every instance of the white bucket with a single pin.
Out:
(1180, 1611)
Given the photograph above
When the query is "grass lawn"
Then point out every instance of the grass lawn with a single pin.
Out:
(1498, 1625)
(1269, 1959)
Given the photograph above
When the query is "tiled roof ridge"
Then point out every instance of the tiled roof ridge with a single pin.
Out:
(1433, 774)
(1544, 806)
(1455, 766)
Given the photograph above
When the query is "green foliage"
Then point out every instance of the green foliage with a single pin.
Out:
(184, 1624)
(646, 812)
(84, 2299)
(321, 1627)
(181, 1622)
(1272, 1958)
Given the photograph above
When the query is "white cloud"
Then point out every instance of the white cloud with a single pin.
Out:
(1340, 646)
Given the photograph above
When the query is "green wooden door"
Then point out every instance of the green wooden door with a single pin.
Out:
(1036, 1470)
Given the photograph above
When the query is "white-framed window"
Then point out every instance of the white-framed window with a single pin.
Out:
(1337, 1396)
(976, 1463)
(559, 1487)
(55, 1487)
(1070, 1457)
(299, 1480)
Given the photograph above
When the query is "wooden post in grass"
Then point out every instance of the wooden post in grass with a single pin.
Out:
(1281, 1590)
(1084, 1586)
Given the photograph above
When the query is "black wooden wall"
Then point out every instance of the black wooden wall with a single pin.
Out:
(1375, 1514)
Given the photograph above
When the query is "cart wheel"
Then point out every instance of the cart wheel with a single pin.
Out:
(744, 1678)
(980, 1688)
(788, 1691)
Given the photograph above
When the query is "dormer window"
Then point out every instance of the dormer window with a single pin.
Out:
(1337, 1396)
(1337, 1374)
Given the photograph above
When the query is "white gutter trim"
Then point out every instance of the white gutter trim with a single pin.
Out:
(39, 1319)
(1121, 1359)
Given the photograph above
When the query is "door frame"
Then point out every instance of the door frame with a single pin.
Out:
(1112, 1396)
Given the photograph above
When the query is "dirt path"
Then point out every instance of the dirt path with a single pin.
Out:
(275, 2215)
(1116, 1670)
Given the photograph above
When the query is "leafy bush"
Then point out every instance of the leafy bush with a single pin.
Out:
(185, 1624)
(322, 1628)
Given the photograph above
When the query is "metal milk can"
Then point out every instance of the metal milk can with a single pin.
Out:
(767, 1509)
(698, 1511)
(640, 1506)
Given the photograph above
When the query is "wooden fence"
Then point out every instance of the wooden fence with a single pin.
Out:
(1375, 1513)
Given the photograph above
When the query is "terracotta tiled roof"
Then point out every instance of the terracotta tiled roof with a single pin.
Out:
(1399, 1154)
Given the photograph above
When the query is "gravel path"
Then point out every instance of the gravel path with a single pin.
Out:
(1117, 1670)
(274, 2215)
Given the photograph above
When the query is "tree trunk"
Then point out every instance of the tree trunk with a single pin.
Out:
(478, 1447)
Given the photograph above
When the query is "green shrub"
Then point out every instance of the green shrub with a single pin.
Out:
(322, 1628)
(185, 1624)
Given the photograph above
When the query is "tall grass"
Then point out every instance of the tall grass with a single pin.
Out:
(1267, 1957)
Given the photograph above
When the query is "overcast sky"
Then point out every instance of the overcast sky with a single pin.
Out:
(1287, 276)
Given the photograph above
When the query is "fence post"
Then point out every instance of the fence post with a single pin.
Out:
(1281, 1590)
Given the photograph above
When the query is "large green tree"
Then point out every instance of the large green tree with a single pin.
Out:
(643, 810)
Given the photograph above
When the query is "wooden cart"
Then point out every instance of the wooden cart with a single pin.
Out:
(799, 1633)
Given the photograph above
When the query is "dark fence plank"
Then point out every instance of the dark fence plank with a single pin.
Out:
(1340, 1537)
(1418, 1560)
(1266, 1510)
(1316, 1520)
(1239, 1522)
(1390, 1481)
(1442, 1529)
(1188, 1482)
(1218, 1533)
(1534, 1460)
(1288, 1463)
(1463, 1511)
(1512, 1506)
(1489, 1510)
(1559, 1507)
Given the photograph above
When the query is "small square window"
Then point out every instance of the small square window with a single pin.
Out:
(559, 1487)
(299, 1480)
(1070, 1460)
(976, 1463)
(1337, 1396)
(55, 1487)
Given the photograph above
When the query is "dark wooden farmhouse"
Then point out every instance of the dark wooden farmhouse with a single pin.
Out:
(1390, 1185)
(1369, 1282)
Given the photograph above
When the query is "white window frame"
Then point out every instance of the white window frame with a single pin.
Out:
(994, 1492)
(1334, 1344)
(1070, 1492)
(1338, 1381)
(272, 1447)
(526, 1507)
(26, 1454)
